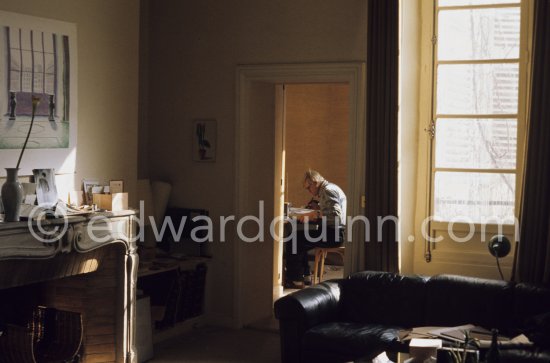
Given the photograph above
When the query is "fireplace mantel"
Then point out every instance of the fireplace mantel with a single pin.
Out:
(66, 252)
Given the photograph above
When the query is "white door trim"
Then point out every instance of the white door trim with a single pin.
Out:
(352, 73)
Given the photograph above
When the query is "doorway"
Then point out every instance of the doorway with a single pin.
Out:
(315, 129)
(258, 179)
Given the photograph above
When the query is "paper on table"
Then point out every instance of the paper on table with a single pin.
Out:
(482, 336)
(422, 349)
(454, 333)
(418, 332)
(299, 211)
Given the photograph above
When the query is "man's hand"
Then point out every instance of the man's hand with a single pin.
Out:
(313, 204)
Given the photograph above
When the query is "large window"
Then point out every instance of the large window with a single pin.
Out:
(476, 111)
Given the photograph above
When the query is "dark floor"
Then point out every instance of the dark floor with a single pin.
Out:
(259, 343)
(210, 344)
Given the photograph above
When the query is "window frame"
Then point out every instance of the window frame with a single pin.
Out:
(429, 72)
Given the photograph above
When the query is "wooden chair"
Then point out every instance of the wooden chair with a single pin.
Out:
(320, 255)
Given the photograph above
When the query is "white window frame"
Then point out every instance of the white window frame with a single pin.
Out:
(428, 74)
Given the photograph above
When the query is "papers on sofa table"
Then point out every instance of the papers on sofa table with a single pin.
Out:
(456, 334)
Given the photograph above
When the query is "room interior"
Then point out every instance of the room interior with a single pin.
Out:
(316, 114)
(148, 69)
(313, 115)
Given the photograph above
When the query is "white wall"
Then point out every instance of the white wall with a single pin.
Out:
(107, 40)
(195, 47)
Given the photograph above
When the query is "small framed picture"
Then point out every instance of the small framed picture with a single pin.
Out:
(46, 191)
(87, 187)
(204, 140)
(116, 186)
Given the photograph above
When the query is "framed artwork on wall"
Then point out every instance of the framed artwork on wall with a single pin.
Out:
(204, 140)
(39, 62)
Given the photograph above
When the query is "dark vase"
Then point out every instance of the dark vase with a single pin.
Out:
(12, 196)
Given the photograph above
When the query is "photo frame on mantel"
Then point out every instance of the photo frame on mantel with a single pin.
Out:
(46, 191)
(204, 140)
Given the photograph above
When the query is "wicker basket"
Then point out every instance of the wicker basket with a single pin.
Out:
(52, 336)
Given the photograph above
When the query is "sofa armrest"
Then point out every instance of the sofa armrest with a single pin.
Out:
(302, 310)
(531, 355)
(311, 306)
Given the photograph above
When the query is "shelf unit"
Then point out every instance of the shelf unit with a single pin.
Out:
(169, 267)
(189, 263)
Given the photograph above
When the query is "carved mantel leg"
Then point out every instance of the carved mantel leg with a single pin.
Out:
(132, 263)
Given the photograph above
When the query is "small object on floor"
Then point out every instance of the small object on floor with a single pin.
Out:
(307, 280)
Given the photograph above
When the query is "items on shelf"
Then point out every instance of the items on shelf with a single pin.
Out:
(176, 294)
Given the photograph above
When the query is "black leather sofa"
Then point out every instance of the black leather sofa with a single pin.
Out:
(359, 317)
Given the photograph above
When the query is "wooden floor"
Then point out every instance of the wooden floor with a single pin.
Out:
(331, 272)
(217, 345)
(258, 342)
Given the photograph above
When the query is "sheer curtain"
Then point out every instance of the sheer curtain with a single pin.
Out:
(534, 247)
(381, 249)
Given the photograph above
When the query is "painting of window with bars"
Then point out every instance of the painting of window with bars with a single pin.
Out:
(38, 60)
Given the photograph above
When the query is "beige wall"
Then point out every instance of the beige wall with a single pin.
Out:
(409, 71)
(107, 41)
(316, 136)
(195, 47)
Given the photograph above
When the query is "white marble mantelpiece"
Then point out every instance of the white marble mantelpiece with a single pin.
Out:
(81, 235)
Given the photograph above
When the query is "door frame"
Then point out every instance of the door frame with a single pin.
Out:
(352, 73)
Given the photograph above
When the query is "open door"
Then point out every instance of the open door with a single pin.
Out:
(262, 168)
(279, 190)
(313, 119)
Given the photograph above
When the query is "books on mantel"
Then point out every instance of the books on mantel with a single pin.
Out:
(59, 210)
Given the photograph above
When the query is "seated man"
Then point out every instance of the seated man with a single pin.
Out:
(331, 220)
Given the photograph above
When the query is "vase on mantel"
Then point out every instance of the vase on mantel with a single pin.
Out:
(12, 196)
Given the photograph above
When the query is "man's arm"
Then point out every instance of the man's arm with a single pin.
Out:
(330, 206)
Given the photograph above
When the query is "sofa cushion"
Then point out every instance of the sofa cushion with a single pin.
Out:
(384, 298)
(456, 300)
(531, 355)
(537, 329)
(529, 301)
(344, 342)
